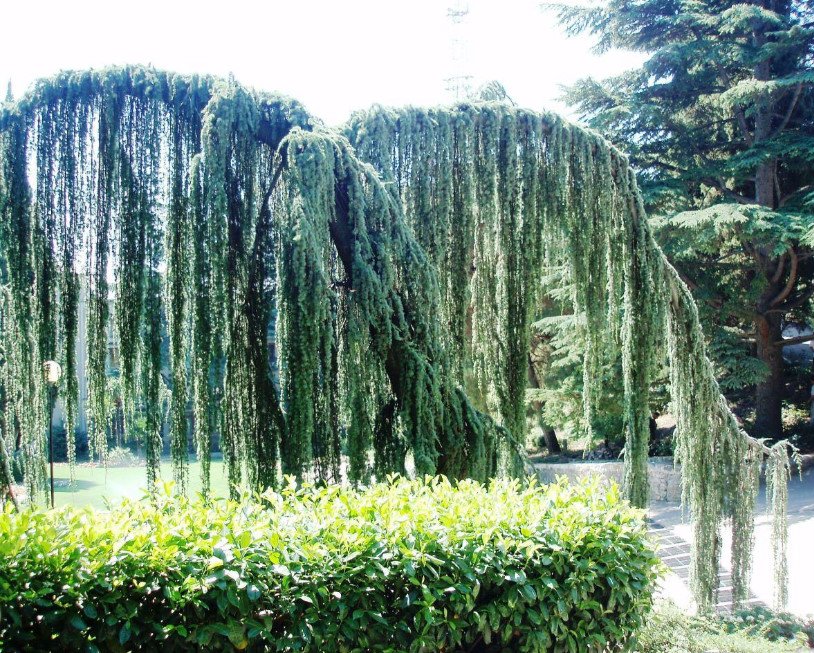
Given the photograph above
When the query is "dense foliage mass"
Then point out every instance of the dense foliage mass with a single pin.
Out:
(719, 123)
(371, 290)
(669, 629)
(404, 566)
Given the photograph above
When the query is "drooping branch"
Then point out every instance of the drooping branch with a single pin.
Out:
(621, 291)
(445, 433)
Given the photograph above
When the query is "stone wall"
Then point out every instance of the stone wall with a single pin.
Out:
(665, 479)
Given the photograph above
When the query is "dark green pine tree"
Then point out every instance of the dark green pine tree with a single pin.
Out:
(719, 122)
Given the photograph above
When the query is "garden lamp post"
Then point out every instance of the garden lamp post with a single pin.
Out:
(52, 373)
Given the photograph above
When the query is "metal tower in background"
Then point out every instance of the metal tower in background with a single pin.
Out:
(459, 83)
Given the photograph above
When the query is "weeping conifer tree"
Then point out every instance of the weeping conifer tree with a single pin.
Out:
(372, 289)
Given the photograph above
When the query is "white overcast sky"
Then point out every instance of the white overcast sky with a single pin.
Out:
(332, 56)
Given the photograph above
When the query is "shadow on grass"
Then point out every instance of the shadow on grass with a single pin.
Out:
(64, 485)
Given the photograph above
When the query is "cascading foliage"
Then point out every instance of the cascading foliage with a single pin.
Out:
(337, 305)
(496, 195)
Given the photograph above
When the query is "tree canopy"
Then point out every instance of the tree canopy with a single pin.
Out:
(719, 124)
(369, 290)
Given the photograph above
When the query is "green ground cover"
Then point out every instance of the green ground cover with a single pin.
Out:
(669, 630)
(97, 486)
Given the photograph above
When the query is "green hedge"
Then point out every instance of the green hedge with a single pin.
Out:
(401, 566)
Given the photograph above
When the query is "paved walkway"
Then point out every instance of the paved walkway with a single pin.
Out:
(675, 535)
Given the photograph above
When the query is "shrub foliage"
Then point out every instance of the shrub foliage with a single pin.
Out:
(669, 629)
(401, 566)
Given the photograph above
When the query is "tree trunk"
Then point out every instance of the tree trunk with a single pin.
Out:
(764, 184)
(551, 442)
(549, 435)
(768, 326)
(769, 392)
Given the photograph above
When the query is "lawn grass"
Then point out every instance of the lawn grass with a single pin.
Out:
(99, 487)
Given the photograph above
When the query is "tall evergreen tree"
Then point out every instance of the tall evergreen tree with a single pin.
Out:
(719, 121)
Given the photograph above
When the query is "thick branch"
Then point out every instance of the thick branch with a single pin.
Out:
(805, 189)
(795, 303)
(791, 281)
(728, 82)
(792, 106)
(739, 114)
(718, 184)
(781, 265)
(727, 192)
(715, 302)
(785, 342)
(342, 236)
